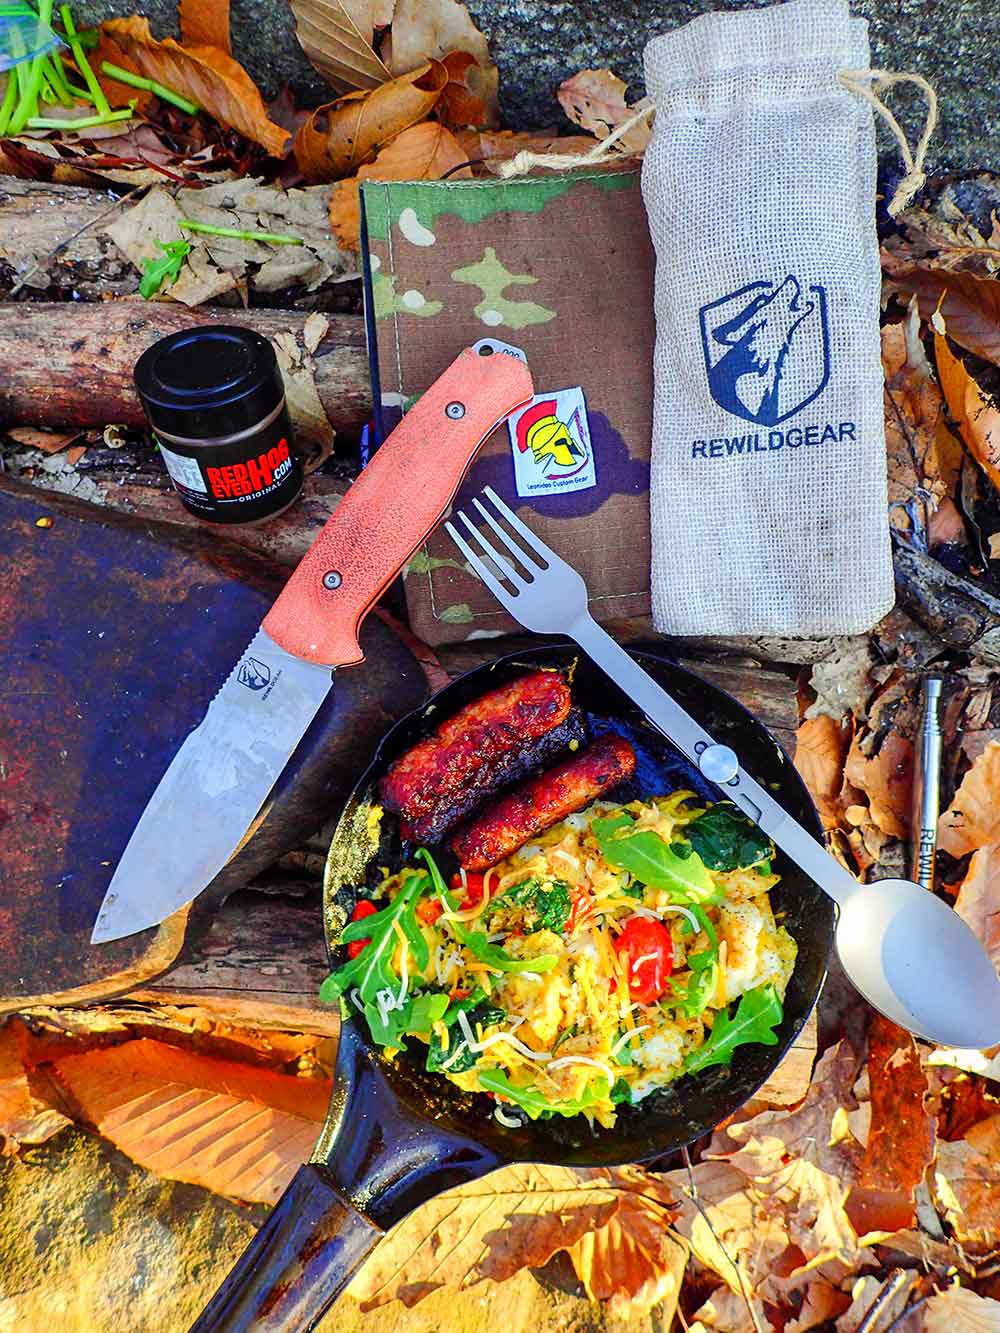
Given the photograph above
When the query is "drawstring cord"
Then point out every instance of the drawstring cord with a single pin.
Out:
(523, 161)
(857, 81)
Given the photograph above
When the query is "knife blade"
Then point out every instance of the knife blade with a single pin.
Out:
(219, 780)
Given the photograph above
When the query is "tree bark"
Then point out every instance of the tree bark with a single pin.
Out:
(955, 610)
(72, 364)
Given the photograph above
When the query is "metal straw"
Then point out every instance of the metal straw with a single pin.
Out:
(926, 785)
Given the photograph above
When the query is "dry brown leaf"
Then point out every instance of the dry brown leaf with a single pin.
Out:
(432, 29)
(923, 454)
(967, 1184)
(959, 1310)
(205, 23)
(730, 1313)
(469, 96)
(805, 1161)
(495, 146)
(841, 681)
(823, 1303)
(977, 419)
(238, 1130)
(423, 152)
(312, 426)
(978, 901)
(863, 1293)
(514, 1218)
(342, 136)
(900, 1142)
(633, 1263)
(594, 99)
(23, 1118)
(118, 94)
(886, 778)
(337, 41)
(205, 74)
(969, 305)
(821, 746)
(973, 818)
(48, 441)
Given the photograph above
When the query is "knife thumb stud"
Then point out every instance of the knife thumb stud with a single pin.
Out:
(332, 580)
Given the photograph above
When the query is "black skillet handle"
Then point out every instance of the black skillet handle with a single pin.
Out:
(298, 1263)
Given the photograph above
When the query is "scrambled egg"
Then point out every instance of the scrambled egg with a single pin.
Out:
(579, 1031)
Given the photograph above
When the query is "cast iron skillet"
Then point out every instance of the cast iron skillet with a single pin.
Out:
(396, 1135)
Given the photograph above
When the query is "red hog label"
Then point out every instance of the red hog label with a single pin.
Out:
(253, 477)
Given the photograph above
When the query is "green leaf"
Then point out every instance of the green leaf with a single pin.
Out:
(759, 1012)
(648, 858)
(458, 1057)
(726, 839)
(531, 1100)
(549, 907)
(155, 272)
(693, 999)
(372, 970)
(474, 940)
(621, 1092)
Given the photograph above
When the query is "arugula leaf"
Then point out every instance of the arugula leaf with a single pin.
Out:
(726, 839)
(693, 999)
(534, 1103)
(551, 906)
(475, 940)
(650, 860)
(759, 1012)
(155, 272)
(372, 970)
(417, 1015)
(458, 1057)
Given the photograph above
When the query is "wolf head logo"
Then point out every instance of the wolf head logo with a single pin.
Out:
(766, 349)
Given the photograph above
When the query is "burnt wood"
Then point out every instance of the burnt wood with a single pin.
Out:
(115, 634)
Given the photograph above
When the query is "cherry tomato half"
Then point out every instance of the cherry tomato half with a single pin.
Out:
(364, 907)
(429, 910)
(650, 952)
(474, 885)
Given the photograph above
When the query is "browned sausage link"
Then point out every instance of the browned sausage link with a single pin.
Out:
(537, 805)
(478, 738)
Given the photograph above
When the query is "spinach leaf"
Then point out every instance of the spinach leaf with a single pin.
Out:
(757, 1015)
(155, 272)
(726, 839)
(458, 1057)
(621, 1092)
(535, 1103)
(550, 907)
(474, 940)
(677, 869)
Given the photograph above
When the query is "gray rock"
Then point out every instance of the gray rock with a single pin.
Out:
(538, 43)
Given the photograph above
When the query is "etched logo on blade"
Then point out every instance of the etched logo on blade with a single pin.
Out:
(767, 349)
(255, 675)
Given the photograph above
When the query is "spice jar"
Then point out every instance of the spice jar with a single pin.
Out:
(215, 401)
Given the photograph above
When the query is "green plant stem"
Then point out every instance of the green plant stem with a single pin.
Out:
(271, 237)
(82, 63)
(56, 76)
(30, 80)
(83, 123)
(148, 85)
(8, 103)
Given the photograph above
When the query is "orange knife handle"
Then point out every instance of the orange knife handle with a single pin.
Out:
(399, 498)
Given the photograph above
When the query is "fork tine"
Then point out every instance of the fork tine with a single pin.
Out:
(516, 551)
(506, 569)
(494, 584)
(535, 543)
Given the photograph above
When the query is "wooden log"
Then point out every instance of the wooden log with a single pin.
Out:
(955, 610)
(64, 364)
(36, 217)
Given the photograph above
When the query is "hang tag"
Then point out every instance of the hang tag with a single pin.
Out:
(551, 446)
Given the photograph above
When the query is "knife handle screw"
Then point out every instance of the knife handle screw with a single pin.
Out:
(455, 410)
(332, 580)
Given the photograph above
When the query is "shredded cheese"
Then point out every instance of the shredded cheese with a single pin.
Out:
(508, 1121)
(627, 1036)
(606, 1070)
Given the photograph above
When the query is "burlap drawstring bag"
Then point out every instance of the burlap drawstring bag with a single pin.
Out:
(768, 489)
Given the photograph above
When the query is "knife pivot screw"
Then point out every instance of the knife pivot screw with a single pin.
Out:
(332, 580)
(456, 411)
(719, 764)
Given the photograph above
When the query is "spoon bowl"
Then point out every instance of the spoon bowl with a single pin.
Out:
(915, 959)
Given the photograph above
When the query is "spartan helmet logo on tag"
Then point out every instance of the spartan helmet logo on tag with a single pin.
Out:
(767, 349)
(551, 444)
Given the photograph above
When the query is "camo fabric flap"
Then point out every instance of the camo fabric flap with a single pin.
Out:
(768, 469)
(562, 267)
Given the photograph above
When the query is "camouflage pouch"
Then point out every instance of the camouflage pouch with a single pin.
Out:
(562, 267)
(768, 492)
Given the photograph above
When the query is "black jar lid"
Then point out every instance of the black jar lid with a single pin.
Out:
(209, 382)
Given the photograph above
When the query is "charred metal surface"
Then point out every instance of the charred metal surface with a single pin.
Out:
(114, 635)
